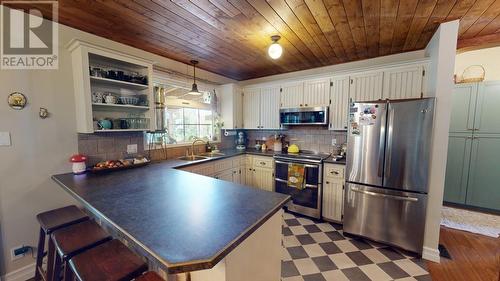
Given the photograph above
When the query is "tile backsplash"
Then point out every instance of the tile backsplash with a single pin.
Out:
(307, 138)
(111, 146)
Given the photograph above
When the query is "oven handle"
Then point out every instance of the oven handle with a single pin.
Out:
(376, 194)
(306, 185)
(305, 165)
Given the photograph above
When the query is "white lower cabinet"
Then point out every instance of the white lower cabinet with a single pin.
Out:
(333, 192)
(256, 171)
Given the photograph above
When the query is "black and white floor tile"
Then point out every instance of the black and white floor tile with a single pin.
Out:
(318, 251)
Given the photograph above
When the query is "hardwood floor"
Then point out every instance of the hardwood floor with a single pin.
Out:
(475, 257)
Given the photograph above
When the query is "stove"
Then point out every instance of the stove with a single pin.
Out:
(306, 196)
(303, 156)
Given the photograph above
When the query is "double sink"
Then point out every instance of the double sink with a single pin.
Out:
(202, 156)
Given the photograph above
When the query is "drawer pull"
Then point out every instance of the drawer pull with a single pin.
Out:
(263, 163)
(334, 172)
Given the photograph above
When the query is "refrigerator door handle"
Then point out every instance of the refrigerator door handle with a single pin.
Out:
(371, 193)
(388, 152)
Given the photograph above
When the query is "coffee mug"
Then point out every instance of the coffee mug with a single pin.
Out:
(105, 124)
(124, 124)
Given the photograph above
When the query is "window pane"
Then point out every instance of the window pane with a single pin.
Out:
(177, 132)
(206, 117)
(190, 116)
(191, 132)
(175, 116)
(206, 132)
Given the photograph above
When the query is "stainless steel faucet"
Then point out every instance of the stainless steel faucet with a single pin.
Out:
(194, 142)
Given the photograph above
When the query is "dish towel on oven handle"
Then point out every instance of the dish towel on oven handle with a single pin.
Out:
(296, 175)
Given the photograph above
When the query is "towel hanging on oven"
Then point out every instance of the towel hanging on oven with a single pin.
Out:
(296, 175)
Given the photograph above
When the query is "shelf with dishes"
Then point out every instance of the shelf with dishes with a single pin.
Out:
(118, 83)
(111, 86)
(120, 124)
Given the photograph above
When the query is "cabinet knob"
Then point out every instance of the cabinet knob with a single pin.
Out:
(306, 104)
(300, 104)
(327, 182)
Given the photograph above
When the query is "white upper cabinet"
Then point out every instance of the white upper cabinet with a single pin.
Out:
(317, 92)
(366, 86)
(261, 107)
(292, 95)
(340, 103)
(403, 82)
(270, 108)
(251, 108)
(231, 106)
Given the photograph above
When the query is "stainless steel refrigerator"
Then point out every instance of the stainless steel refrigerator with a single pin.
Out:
(388, 151)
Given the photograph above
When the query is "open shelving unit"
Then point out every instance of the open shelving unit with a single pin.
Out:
(86, 57)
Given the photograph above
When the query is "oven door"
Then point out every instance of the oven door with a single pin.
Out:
(307, 200)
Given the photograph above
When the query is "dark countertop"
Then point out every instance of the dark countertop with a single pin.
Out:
(183, 221)
(331, 161)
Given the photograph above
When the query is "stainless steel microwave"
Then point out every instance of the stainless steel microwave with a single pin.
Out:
(304, 116)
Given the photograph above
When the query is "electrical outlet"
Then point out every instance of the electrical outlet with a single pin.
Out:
(19, 252)
(5, 139)
(132, 148)
(334, 141)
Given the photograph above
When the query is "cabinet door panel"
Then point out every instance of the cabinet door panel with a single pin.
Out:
(462, 108)
(292, 94)
(340, 103)
(270, 108)
(483, 189)
(251, 108)
(225, 175)
(317, 92)
(486, 120)
(263, 178)
(333, 199)
(402, 83)
(366, 86)
(457, 168)
(249, 176)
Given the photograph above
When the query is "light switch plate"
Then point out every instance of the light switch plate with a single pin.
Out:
(334, 141)
(131, 148)
(5, 139)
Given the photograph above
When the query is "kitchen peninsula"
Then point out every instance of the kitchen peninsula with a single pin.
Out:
(183, 222)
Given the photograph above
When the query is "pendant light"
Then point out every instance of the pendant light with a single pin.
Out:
(194, 89)
(275, 50)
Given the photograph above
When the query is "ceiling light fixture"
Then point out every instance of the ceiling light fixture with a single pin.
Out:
(194, 89)
(275, 50)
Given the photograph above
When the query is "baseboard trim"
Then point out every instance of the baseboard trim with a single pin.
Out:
(431, 254)
(21, 274)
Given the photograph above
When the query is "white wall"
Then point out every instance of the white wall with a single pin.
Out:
(40, 147)
(488, 58)
(441, 50)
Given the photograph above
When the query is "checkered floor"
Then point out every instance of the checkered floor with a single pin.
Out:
(318, 251)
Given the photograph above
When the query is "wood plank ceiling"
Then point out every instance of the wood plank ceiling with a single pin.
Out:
(230, 37)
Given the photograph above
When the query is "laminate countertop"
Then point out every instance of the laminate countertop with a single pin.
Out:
(181, 220)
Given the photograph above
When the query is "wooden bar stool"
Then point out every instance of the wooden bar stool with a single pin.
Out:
(110, 261)
(49, 222)
(149, 276)
(75, 239)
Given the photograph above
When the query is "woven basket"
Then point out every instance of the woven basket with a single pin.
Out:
(473, 73)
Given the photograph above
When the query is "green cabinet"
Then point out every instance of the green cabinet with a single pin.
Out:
(457, 168)
(487, 119)
(463, 107)
(472, 170)
(483, 189)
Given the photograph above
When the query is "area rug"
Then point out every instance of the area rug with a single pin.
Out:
(471, 221)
